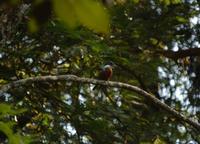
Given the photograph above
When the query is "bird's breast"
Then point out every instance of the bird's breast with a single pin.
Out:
(108, 73)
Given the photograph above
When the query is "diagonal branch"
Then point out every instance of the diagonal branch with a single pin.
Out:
(74, 78)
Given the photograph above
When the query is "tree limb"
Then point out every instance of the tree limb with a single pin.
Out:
(179, 54)
(74, 78)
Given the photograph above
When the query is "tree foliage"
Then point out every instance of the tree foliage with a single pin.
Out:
(155, 45)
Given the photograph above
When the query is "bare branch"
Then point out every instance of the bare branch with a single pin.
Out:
(74, 78)
(180, 53)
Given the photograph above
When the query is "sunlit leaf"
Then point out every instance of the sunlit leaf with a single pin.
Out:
(2, 81)
(92, 15)
(85, 12)
(158, 141)
(64, 9)
(32, 25)
(153, 41)
(181, 19)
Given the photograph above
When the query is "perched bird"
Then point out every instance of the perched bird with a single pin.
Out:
(106, 72)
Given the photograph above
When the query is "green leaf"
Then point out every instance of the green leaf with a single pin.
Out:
(176, 1)
(7, 109)
(6, 128)
(4, 108)
(154, 41)
(165, 2)
(181, 19)
(14, 2)
(32, 25)
(158, 141)
(2, 81)
(86, 12)
(136, 1)
(64, 9)
(92, 15)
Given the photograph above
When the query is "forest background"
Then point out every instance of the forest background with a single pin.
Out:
(50, 50)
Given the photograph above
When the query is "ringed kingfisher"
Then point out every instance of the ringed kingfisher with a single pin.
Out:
(106, 72)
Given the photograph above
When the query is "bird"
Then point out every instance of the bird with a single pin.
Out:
(106, 72)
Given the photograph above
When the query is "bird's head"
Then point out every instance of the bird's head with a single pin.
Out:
(110, 64)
